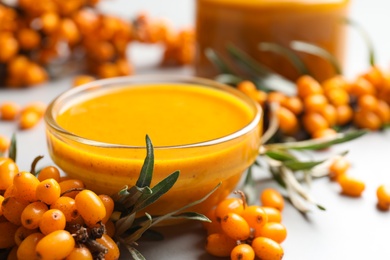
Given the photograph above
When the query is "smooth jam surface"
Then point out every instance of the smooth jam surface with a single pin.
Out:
(169, 114)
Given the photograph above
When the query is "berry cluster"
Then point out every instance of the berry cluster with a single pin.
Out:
(53, 217)
(245, 232)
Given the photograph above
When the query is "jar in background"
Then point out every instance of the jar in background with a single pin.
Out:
(246, 23)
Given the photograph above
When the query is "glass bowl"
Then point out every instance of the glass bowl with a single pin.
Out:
(106, 166)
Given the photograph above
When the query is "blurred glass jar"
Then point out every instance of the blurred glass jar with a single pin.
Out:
(246, 23)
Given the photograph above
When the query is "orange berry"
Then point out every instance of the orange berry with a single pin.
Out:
(344, 114)
(50, 22)
(56, 245)
(382, 110)
(26, 249)
(82, 79)
(242, 252)
(32, 214)
(8, 170)
(383, 196)
(277, 97)
(26, 185)
(7, 235)
(266, 248)
(361, 86)
(28, 120)
(273, 214)
(214, 226)
(68, 206)
(228, 205)
(273, 230)
(338, 167)
(21, 234)
(367, 102)
(351, 186)
(314, 122)
(272, 198)
(335, 82)
(52, 220)
(220, 245)
(338, 97)
(113, 250)
(69, 184)
(235, 226)
(48, 191)
(90, 207)
(307, 86)
(315, 103)
(109, 205)
(255, 216)
(4, 143)
(29, 39)
(288, 121)
(80, 253)
(49, 172)
(324, 133)
(329, 112)
(9, 110)
(36, 107)
(294, 104)
(367, 120)
(9, 47)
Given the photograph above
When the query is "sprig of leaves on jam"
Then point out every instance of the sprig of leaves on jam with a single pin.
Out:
(129, 201)
(286, 160)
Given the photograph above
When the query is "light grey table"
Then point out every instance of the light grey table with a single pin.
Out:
(350, 228)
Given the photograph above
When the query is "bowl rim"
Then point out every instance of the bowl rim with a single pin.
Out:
(145, 79)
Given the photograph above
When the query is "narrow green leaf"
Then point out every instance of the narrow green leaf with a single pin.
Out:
(316, 144)
(130, 200)
(218, 62)
(249, 187)
(298, 165)
(280, 155)
(298, 64)
(317, 51)
(145, 177)
(363, 33)
(34, 164)
(157, 191)
(188, 216)
(135, 235)
(135, 254)
(123, 224)
(13, 148)
(320, 207)
(228, 79)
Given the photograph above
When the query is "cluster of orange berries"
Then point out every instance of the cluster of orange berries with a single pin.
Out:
(353, 186)
(245, 232)
(53, 217)
(319, 108)
(36, 36)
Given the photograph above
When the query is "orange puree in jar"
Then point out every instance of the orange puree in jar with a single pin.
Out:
(209, 134)
(246, 23)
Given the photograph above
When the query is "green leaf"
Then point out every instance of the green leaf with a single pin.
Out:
(229, 79)
(123, 224)
(280, 155)
(13, 148)
(135, 235)
(316, 144)
(287, 53)
(189, 216)
(363, 33)
(145, 177)
(157, 191)
(265, 77)
(34, 164)
(135, 254)
(317, 51)
(298, 165)
(218, 61)
(249, 188)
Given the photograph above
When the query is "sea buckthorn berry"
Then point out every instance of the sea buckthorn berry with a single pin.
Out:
(28, 120)
(52, 220)
(344, 114)
(8, 170)
(335, 82)
(50, 22)
(339, 167)
(351, 186)
(27, 248)
(315, 103)
(375, 76)
(80, 253)
(36, 107)
(32, 214)
(330, 114)
(367, 102)
(109, 243)
(267, 249)
(324, 133)
(9, 46)
(110, 228)
(109, 205)
(220, 245)
(1, 201)
(35, 74)
(288, 121)
(4, 143)
(56, 245)
(23, 232)
(338, 97)
(82, 79)
(235, 226)
(255, 216)
(90, 207)
(259, 96)
(382, 110)
(26, 185)
(273, 214)
(48, 191)
(17, 66)
(49, 172)
(242, 252)
(361, 86)
(294, 104)
(7, 234)
(68, 185)
(10, 192)
(12, 209)
(273, 230)
(9, 110)
(12, 255)
(383, 195)
(314, 122)
(28, 39)
(235, 205)
(307, 85)
(214, 226)
(68, 206)
(367, 120)
(272, 198)
(276, 97)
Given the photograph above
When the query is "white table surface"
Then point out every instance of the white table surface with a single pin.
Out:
(350, 228)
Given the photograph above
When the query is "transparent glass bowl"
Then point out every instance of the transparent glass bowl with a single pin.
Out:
(106, 168)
